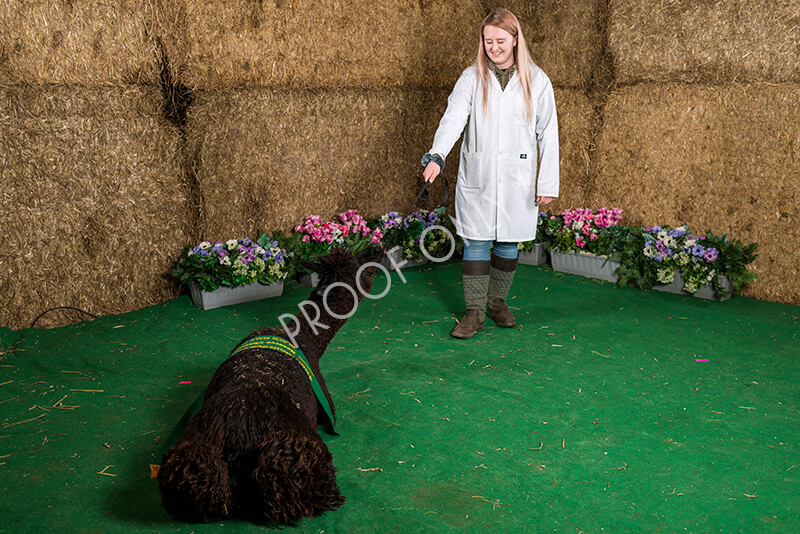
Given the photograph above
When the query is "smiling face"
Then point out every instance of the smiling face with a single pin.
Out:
(499, 46)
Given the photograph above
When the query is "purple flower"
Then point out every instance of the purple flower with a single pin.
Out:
(698, 250)
(245, 241)
(196, 250)
(710, 255)
(660, 246)
(677, 232)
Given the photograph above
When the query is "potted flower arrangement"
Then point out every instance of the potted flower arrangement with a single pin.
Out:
(676, 260)
(534, 252)
(584, 242)
(230, 272)
(314, 238)
(406, 232)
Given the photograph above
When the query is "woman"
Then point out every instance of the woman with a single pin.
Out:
(507, 104)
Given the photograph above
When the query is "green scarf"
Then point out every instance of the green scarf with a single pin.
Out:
(503, 76)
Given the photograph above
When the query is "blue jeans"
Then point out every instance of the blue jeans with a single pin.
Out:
(475, 250)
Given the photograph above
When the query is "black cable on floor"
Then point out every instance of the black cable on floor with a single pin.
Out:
(61, 308)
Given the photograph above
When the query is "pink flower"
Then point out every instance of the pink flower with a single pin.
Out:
(580, 242)
(587, 229)
(306, 239)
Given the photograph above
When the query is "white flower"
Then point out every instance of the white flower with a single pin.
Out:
(690, 243)
(274, 250)
(205, 245)
(231, 244)
(662, 235)
(259, 250)
(666, 276)
(669, 241)
(225, 261)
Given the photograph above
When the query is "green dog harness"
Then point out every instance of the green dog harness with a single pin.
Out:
(283, 345)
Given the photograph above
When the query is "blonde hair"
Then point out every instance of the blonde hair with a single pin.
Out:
(505, 19)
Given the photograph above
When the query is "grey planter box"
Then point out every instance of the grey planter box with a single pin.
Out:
(705, 292)
(310, 280)
(225, 296)
(537, 256)
(397, 255)
(601, 267)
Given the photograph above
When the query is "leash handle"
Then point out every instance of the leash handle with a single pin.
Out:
(426, 197)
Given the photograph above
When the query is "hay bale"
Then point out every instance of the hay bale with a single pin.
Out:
(565, 38)
(91, 42)
(92, 208)
(223, 44)
(705, 41)
(724, 159)
(265, 158)
(576, 125)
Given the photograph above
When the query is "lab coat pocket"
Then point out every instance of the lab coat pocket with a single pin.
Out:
(472, 173)
(526, 176)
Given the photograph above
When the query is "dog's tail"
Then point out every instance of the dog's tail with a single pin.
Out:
(195, 484)
(295, 477)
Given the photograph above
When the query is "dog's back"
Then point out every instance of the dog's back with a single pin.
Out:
(252, 448)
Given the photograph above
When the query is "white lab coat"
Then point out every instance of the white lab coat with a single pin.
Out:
(497, 179)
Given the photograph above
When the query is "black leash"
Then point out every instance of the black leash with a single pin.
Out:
(426, 197)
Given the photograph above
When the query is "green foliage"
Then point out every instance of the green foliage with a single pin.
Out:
(653, 255)
(233, 263)
(407, 232)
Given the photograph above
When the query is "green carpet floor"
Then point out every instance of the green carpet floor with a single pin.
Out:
(591, 416)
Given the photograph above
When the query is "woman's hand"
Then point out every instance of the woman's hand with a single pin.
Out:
(431, 171)
(542, 201)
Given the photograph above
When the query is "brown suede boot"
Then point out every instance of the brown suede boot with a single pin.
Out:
(469, 324)
(500, 280)
(476, 284)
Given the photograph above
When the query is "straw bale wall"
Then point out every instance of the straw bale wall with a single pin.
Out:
(705, 41)
(86, 42)
(92, 204)
(576, 124)
(564, 38)
(723, 158)
(267, 157)
(224, 44)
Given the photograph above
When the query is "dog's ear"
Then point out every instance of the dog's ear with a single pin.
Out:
(370, 254)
